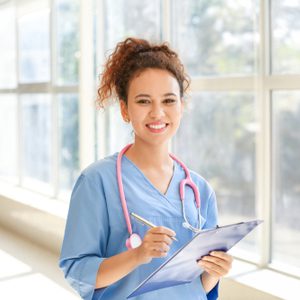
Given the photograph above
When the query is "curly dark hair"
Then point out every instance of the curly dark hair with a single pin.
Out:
(129, 59)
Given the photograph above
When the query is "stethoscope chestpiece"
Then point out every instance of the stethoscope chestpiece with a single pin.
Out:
(133, 241)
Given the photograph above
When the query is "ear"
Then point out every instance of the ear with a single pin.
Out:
(124, 111)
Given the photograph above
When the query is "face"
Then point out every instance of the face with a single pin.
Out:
(154, 106)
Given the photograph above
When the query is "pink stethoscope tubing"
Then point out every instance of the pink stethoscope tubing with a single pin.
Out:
(134, 239)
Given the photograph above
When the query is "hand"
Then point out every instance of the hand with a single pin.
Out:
(216, 264)
(156, 243)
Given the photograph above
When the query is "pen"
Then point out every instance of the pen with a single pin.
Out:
(142, 220)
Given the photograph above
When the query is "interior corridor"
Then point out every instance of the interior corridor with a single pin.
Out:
(29, 271)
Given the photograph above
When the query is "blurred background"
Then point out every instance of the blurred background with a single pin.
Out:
(241, 128)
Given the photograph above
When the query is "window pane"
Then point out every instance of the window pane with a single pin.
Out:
(67, 36)
(34, 47)
(119, 132)
(286, 177)
(8, 140)
(68, 140)
(143, 20)
(7, 48)
(217, 140)
(215, 37)
(285, 36)
(36, 138)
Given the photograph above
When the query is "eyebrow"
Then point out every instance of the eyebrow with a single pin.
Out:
(146, 95)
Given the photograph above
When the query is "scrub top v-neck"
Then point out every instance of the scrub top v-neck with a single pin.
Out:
(96, 228)
(146, 179)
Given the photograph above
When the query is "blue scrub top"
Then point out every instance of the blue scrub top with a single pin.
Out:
(96, 227)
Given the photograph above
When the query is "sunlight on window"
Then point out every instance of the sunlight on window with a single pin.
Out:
(34, 47)
(8, 78)
(286, 177)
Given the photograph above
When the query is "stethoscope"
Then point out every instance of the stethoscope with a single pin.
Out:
(134, 239)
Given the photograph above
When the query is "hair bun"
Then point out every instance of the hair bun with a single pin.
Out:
(132, 56)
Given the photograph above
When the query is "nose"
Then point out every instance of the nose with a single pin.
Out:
(157, 111)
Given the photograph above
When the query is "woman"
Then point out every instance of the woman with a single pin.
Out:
(106, 255)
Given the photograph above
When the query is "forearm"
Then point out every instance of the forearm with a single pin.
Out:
(208, 281)
(116, 267)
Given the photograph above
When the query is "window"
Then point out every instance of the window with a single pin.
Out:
(67, 41)
(34, 44)
(219, 36)
(39, 94)
(286, 174)
(285, 36)
(8, 66)
(68, 128)
(9, 137)
(143, 20)
(36, 140)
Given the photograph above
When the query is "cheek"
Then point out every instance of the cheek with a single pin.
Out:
(136, 119)
(177, 115)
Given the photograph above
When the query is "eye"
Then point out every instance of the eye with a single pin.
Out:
(143, 101)
(170, 101)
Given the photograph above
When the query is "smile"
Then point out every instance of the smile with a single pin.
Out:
(157, 127)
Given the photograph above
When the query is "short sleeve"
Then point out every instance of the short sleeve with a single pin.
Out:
(86, 234)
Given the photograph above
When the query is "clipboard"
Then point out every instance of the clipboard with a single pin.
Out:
(182, 266)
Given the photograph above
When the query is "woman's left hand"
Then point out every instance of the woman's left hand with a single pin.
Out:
(216, 264)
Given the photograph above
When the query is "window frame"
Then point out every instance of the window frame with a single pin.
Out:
(50, 88)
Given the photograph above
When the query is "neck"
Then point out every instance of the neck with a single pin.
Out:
(148, 156)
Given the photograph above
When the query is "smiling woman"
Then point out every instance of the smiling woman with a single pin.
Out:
(154, 106)
(109, 256)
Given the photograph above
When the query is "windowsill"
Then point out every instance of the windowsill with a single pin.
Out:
(58, 208)
(38, 218)
(42, 220)
(267, 283)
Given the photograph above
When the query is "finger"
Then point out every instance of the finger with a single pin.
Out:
(212, 272)
(158, 246)
(222, 255)
(225, 264)
(155, 253)
(211, 268)
(158, 237)
(163, 230)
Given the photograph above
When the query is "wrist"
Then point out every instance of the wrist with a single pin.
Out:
(139, 256)
(209, 281)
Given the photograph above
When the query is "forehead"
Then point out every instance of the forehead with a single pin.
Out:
(153, 82)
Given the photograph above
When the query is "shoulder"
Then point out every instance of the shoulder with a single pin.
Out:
(93, 179)
(101, 168)
(97, 173)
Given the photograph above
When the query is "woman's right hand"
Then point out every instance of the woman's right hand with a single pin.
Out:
(156, 243)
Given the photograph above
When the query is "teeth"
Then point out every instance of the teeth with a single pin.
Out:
(157, 126)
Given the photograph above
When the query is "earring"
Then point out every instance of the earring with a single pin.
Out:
(127, 120)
